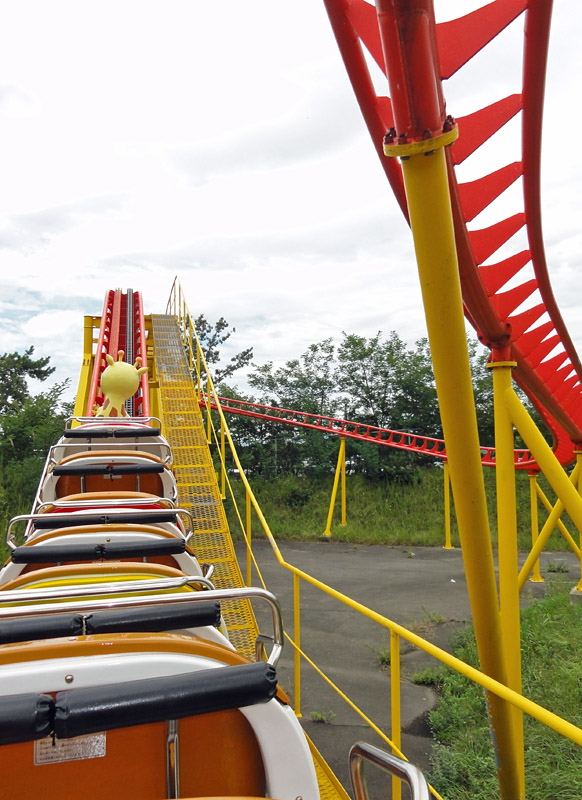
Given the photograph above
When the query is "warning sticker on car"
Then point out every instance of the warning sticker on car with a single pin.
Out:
(53, 751)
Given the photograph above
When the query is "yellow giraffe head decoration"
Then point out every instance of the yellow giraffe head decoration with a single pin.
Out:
(118, 383)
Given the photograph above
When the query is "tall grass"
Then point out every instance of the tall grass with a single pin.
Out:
(296, 507)
(463, 761)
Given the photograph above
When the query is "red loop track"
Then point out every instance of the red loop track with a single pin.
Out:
(511, 310)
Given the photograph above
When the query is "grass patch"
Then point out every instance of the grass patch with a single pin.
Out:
(378, 512)
(322, 718)
(431, 676)
(463, 765)
(382, 655)
(557, 567)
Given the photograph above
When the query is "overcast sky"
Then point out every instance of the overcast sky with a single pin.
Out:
(221, 142)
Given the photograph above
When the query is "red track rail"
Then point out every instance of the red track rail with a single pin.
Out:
(426, 445)
(548, 367)
(115, 320)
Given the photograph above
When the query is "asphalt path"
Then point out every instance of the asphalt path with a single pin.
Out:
(423, 589)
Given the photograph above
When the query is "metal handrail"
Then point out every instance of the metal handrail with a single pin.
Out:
(119, 443)
(403, 770)
(117, 515)
(54, 595)
(551, 720)
(111, 501)
(112, 420)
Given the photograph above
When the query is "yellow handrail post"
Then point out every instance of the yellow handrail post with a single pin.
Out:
(222, 465)
(447, 493)
(208, 418)
(536, 576)
(507, 545)
(429, 206)
(248, 536)
(198, 381)
(338, 469)
(297, 640)
(395, 716)
(190, 344)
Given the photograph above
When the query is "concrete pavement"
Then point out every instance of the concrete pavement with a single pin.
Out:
(424, 589)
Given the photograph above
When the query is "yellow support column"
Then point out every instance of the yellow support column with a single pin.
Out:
(339, 471)
(549, 464)
(427, 193)
(447, 490)
(535, 527)
(344, 499)
(507, 545)
(579, 468)
(83, 390)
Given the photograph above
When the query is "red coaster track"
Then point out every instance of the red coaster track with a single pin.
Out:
(122, 328)
(412, 442)
(524, 320)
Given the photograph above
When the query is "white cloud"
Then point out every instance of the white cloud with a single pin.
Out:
(223, 142)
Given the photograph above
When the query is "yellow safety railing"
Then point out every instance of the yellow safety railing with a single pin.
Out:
(207, 394)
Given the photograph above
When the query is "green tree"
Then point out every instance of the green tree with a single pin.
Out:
(308, 384)
(29, 425)
(388, 385)
(212, 337)
(367, 375)
(14, 371)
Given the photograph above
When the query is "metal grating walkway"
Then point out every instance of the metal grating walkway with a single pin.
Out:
(198, 492)
(183, 427)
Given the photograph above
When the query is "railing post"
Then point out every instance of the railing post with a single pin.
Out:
(447, 490)
(536, 576)
(297, 640)
(198, 381)
(190, 344)
(248, 536)
(222, 464)
(395, 725)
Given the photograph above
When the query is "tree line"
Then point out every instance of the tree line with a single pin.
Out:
(377, 380)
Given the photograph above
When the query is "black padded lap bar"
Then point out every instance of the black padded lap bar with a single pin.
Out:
(152, 619)
(25, 717)
(83, 711)
(108, 433)
(91, 552)
(108, 469)
(68, 520)
(29, 629)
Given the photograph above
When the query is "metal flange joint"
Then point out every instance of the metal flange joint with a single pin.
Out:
(402, 147)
